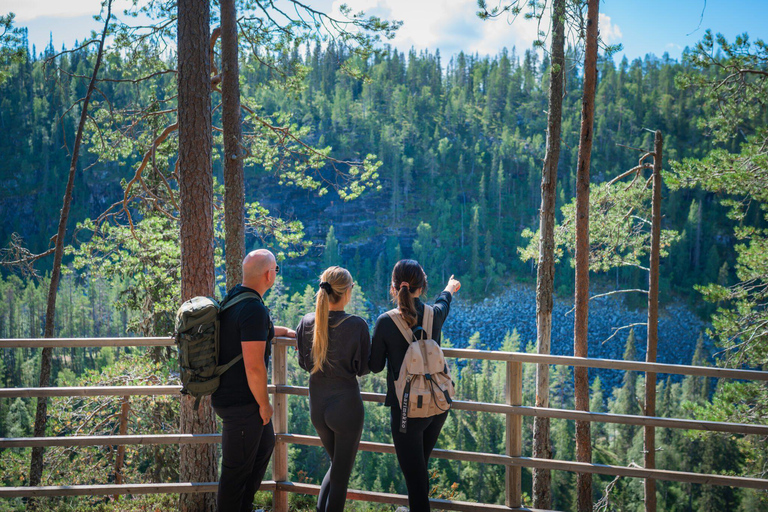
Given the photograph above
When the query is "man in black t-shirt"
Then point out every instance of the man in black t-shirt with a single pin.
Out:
(242, 400)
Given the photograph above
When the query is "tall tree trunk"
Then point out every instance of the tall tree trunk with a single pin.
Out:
(234, 191)
(41, 414)
(581, 384)
(542, 478)
(197, 462)
(649, 438)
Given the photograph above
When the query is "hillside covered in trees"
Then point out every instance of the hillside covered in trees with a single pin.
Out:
(461, 144)
(452, 149)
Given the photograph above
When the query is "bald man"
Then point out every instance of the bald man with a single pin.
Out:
(242, 401)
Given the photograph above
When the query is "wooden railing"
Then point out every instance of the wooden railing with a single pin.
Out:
(513, 408)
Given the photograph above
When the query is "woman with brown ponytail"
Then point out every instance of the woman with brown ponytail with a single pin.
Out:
(334, 348)
(414, 446)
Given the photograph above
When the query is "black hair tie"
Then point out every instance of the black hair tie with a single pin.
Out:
(326, 286)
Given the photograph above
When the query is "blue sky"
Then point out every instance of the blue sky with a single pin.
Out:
(642, 27)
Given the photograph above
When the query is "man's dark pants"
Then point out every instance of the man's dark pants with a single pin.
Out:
(246, 446)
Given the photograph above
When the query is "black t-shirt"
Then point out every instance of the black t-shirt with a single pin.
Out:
(389, 345)
(349, 345)
(246, 321)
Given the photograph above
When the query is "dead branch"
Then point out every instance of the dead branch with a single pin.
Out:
(16, 256)
(608, 294)
(619, 329)
(635, 169)
(137, 176)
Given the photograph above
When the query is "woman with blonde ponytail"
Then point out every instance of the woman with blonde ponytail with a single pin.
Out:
(334, 348)
(413, 447)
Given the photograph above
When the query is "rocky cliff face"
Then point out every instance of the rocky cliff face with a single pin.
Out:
(515, 308)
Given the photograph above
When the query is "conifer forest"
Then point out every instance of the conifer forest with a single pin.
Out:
(357, 154)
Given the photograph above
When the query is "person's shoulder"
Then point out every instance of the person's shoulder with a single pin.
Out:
(357, 321)
(384, 319)
(307, 319)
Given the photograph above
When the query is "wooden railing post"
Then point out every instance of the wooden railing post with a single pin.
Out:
(280, 421)
(514, 396)
(125, 408)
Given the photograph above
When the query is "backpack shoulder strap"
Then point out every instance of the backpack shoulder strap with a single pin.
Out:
(226, 304)
(427, 321)
(396, 317)
(221, 369)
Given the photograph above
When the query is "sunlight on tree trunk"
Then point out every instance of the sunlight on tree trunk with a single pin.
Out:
(234, 192)
(581, 378)
(198, 463)
(542, 478)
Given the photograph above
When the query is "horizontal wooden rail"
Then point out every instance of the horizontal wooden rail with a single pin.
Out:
(29, 442)
(402, 500)
(90, 391)
(607, 364)
(164, 341)
(622, 419)
(487, 458)
(269, 485)
(461, 353)
(600, 417)
(656, 474)
(104, 490)
(560, 465)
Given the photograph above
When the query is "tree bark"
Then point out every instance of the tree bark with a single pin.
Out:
(542, 478)
(41, 414)
(234, 191)
(653, 323)
(581, 378)
(198, 463)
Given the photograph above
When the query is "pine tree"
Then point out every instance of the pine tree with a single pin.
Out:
(331, 252)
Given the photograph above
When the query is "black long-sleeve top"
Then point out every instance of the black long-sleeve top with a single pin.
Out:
(389, 345)
(349, 345)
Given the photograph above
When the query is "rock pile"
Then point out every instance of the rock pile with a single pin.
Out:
(679, 328)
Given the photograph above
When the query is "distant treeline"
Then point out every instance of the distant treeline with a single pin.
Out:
(93, 309)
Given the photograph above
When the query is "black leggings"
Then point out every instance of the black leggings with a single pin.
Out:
(246, 446)
(337, 413)
(413, 449)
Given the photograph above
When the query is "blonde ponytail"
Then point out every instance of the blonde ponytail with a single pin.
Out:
(320, 334)
(334, 283)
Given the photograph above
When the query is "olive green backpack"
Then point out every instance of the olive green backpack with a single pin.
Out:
(197, 337)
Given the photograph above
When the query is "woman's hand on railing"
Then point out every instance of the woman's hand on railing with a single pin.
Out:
(281, 331)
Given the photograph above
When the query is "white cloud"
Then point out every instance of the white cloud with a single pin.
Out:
(609, 32)
(27, 10)
(450, 25)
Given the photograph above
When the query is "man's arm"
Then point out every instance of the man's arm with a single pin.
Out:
(256, 373)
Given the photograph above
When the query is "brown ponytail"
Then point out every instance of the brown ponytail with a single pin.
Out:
(407, 277)
(334, 283)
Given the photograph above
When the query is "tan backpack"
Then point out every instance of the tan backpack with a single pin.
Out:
(424, 387)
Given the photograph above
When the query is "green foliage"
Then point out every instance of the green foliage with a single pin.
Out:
(12, 45)
(331, 254)
(731, 79)
(619, 229)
